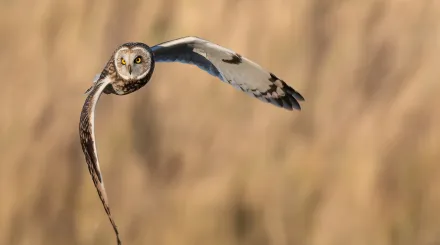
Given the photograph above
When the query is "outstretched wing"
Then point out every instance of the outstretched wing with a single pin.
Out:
(87, 137)
(231, 68)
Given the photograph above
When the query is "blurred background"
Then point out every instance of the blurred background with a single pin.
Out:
(190, 160)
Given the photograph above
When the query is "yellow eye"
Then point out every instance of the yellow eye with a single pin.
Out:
(138, 60)
(123, 61)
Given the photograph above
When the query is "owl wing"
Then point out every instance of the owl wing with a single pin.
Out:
(230, 67)
(87, 137)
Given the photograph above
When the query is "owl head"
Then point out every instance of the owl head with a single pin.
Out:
(133, 61)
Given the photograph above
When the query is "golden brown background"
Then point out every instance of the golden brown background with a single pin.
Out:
(190, 160)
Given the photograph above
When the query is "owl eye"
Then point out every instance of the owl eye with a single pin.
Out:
(138, 60)
(123, 61)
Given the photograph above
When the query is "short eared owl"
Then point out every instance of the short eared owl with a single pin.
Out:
(132, 64)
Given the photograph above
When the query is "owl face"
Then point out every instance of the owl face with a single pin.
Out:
(132, 63)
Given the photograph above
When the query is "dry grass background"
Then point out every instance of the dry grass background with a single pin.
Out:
(189, 160)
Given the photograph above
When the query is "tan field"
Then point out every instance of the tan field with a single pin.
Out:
(189, 160)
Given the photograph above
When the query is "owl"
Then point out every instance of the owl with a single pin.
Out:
(132, 64)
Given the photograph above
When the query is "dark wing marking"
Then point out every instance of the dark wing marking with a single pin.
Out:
(235, 59)
(87, 137)
(230, 67)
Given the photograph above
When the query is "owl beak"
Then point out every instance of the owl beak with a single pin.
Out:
(129, 69)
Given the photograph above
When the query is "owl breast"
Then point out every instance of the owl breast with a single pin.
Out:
(123, 87)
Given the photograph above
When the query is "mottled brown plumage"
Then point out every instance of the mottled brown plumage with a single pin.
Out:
(88, 146)
(111, 81)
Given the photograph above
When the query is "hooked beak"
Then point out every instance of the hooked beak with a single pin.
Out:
(129, 69)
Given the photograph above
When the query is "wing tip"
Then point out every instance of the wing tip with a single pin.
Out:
(295, 98)
(295, 94)
(287, 102)
(293, 103)
(292, 96)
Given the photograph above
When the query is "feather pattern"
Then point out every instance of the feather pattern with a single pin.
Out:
(230, 67)
(87, 138)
